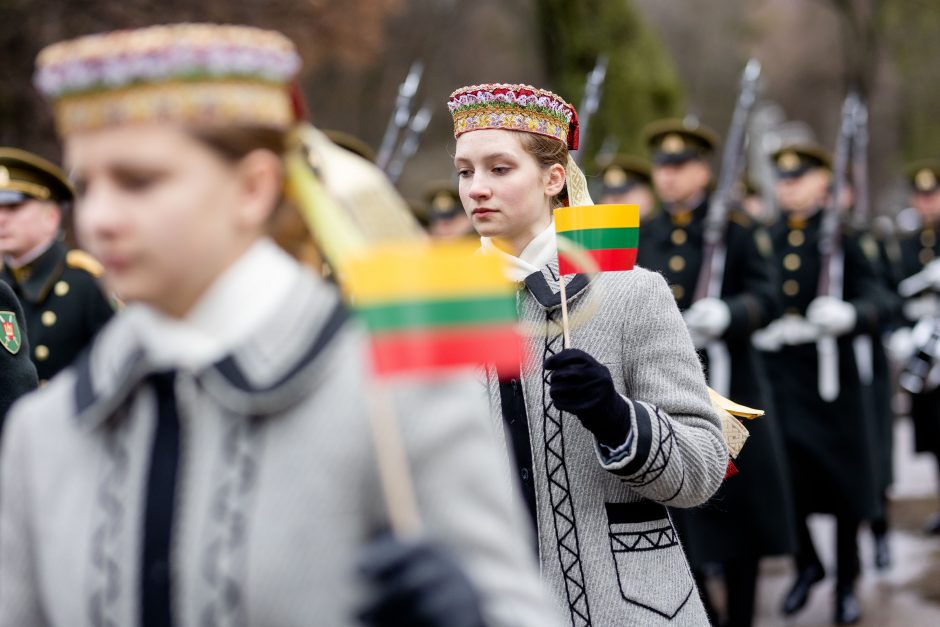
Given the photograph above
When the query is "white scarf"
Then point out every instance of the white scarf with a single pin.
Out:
(535, 256)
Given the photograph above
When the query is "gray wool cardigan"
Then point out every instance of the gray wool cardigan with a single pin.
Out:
(606, 544)
(277, 487)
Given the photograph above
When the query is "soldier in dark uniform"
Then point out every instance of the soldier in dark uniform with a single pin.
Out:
(17, 372)
(751, 514)
(626, 180)
(63, 303)
(446, 217)
(919, 253)
(829, 442)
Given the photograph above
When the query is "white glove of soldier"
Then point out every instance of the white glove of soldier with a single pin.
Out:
(707, 319)
(931, 272)
(901, 345)
(832, 316)
(798, 330)
(927, 306)
(770, 338)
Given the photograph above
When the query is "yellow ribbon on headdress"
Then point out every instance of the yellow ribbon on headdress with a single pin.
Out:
(578, 195)
(347, 202)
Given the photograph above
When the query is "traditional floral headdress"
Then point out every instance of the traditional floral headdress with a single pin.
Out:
(522, 108)
(190, 73)
(515, 108)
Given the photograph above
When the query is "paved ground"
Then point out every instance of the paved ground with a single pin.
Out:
(906, 595)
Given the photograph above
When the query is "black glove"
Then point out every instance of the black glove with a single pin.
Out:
(416, 584)
(581, 385)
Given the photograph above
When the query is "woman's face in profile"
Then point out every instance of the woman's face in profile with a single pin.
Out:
(158, 209)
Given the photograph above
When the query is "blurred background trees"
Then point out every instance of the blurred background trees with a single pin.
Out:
(666, 57)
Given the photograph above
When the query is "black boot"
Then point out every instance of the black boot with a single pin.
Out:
(848, 609)
(932, 528)
(799, 593)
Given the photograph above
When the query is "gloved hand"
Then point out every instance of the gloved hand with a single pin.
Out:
(831, 315)
(798, 330)
(708, 317)
(770, 339)
(927, 306)
(901, 345)
(932, 273)
(582, 386)
(418, 584)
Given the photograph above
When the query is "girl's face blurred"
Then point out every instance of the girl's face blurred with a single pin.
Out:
(504, 190)
(162, 211)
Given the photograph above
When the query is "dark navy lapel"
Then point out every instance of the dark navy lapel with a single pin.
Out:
(235, 376)
(259, 378)
(538, 286)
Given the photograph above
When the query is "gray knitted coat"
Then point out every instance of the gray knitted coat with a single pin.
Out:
(606, 544)
(277, 485)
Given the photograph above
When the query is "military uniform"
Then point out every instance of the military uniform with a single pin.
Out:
(830, 444)
(17, 373)
(917, 250)
(751, 515)
(62, 302)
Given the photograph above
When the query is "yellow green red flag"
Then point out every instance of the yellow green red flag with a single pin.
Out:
(435, 306)
(610, 234)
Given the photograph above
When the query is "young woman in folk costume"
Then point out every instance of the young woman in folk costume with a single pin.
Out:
(209, 461)
(607, 433)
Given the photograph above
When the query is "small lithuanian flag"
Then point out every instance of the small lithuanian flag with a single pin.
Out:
(435, 306)
(608, 233)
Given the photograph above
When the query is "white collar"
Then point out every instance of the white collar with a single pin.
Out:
(237, 303)
(535, 256)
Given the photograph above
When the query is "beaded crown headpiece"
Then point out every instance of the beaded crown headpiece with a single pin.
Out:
(188, 73)
(514, 107)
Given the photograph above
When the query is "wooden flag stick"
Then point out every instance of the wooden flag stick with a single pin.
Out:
(564, 311)
(397, 485)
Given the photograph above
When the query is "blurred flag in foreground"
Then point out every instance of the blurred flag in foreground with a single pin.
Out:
(430, 307)
(608, 233)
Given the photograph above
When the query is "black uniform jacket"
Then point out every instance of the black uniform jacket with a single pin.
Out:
(17, 373)
(830, 445)
(64, 306)
(673, 245)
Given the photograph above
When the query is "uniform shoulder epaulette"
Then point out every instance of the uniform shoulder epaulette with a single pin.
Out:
(741, 219)
(83, 261)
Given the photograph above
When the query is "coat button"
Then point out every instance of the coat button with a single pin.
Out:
(679, 237)
(41, 352)
(677, 291)
(48, 318)
(61, 288)
(928, 238)
(525, 474)
(792, 262)
(791, 287)
(676, 263)
(796, 238)
(926, 256)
